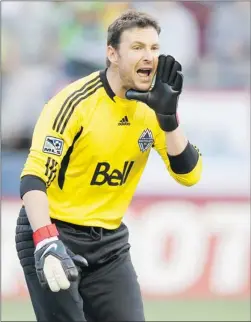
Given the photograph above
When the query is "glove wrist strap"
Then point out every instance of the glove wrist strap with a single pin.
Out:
(44, 233)
(44, 242)
(168, 123)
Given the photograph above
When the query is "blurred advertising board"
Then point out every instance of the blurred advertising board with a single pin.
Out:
(184, 247)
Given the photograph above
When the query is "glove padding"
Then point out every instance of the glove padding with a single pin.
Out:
(163, 98)
(55, 266)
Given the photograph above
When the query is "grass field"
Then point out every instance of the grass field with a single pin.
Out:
(157, 311)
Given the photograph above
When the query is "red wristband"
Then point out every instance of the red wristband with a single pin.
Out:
(45, 232)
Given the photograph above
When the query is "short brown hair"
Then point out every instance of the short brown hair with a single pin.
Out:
(129, 19)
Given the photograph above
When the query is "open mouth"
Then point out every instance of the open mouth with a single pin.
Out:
(144, 72)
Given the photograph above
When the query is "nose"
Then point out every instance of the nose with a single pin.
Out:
(148, 55)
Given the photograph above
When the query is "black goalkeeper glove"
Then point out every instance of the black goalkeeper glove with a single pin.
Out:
(55, 265)
(163, 98)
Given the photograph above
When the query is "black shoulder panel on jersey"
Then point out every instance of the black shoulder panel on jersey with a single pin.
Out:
(66, 160)
(186, 161)
(72, 102)
(30, 182)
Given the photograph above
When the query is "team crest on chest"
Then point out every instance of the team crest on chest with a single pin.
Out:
(145, 140)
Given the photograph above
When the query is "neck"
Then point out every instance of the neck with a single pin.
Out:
(115, 82)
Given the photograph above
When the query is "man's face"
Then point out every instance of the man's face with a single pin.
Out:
(137, 57)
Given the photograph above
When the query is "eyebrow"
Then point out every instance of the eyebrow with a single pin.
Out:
(142, 43)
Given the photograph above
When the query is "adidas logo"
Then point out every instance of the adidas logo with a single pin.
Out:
(124, 121)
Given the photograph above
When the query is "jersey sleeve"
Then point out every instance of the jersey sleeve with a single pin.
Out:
(57, 126)
(186, 179)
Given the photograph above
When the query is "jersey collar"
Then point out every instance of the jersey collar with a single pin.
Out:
(106, 85)
(111, 94)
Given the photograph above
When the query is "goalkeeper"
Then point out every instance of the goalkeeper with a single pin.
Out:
(89, 149)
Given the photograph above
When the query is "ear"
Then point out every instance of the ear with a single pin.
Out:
(112, 55)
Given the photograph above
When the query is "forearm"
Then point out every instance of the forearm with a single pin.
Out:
(37, 208)
(182, 155)
(176, 142)
(33, 193)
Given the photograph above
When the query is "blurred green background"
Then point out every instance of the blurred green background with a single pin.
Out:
(173, 310)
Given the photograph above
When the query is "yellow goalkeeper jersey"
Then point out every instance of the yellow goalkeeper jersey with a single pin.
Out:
(90, 147)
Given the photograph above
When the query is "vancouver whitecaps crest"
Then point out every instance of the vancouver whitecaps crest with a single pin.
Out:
(145, 140)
